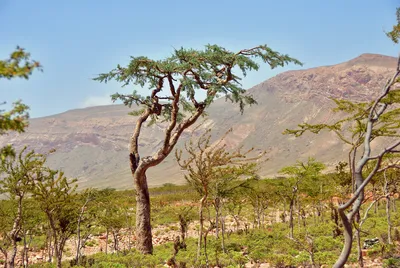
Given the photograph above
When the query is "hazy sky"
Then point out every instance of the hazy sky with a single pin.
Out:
(76, 39)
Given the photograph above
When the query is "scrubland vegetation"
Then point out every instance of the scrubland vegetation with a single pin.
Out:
(226, 215)
(254, 222)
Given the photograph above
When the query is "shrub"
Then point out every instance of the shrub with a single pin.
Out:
(391, 263)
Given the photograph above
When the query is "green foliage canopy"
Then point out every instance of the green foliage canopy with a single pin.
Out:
(189, 70)
(19, 65)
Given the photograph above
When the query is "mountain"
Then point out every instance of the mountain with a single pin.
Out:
(92, 143)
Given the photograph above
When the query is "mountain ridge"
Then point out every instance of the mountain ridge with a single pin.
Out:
(92, 142)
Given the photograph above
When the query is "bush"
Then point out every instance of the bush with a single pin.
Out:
(391, 263)
(325, 257)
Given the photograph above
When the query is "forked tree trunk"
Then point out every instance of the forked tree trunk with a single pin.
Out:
(58, 243)
(347, 220)
(143, 224)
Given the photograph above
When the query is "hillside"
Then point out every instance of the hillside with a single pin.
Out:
(92, 143)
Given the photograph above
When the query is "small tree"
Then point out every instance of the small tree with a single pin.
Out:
(85, 220)
(57, 199)
(261, 196)
(298, 174)
(175, 83)
(214, 173)
(18, 174)
(111, 215)
(32, 219)
(363, 123)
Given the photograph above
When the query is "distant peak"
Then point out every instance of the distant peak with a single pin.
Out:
(373, 60)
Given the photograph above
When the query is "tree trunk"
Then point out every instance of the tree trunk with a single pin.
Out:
(359, 249)
(26, 250)
(14, 234)
(78, 243)
(58, 244)
(348, 240)
(347, 221)
(11, 260)
(25, 256)
(291, 218)
(78, 232)
(298, 212)
(237, 222)
(389, 230)
(217, 208)
(115, 236)
(4, 251)
(58, 251)
(201, 223)
(129, 238)
(143, 225)
(223, 234)
(212, 226)
(59, 260)
(49, 246)
(106, 251)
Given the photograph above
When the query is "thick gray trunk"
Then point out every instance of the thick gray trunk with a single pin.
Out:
(144, 241)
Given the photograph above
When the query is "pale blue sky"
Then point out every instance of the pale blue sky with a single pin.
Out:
(77, 39)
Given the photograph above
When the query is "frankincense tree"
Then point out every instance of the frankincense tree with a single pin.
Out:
(175, 83)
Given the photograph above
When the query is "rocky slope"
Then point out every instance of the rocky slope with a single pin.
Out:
(92, 143)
